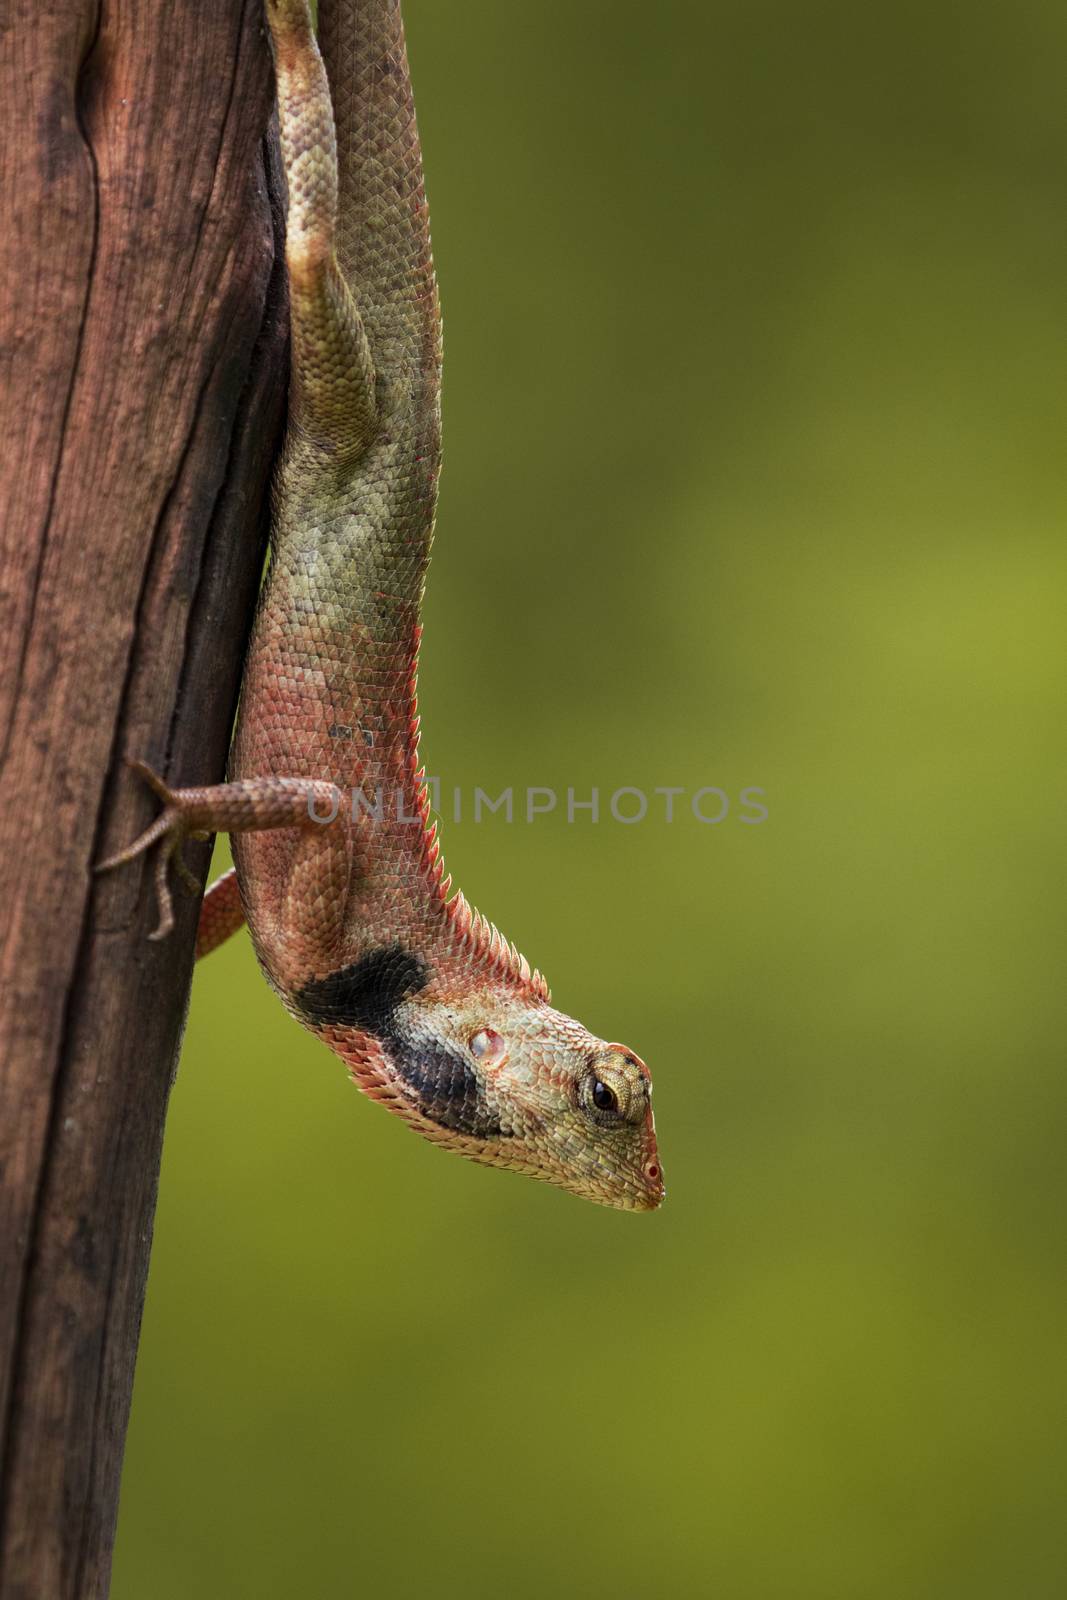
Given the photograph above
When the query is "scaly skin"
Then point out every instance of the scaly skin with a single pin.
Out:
(434, 1013)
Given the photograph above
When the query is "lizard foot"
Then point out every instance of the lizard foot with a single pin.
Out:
(245, 804)
(176, 822)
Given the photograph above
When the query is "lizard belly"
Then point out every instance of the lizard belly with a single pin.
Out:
(329, 694)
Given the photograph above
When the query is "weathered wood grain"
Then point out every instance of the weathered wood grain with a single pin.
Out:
(141, 384)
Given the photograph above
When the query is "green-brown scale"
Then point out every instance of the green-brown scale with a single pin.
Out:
(433, 1012)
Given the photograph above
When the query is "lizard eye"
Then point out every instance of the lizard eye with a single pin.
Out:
(489, 1048)
(613, 1090)
(604, 1099)
(604, 1096)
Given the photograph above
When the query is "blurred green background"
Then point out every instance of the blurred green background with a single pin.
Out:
(754, 475)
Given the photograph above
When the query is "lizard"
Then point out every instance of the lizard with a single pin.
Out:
(354, 923)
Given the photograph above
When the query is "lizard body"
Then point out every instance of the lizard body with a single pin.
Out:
(337, 869)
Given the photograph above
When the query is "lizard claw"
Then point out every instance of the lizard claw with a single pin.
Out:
(151, 777)
(168, 830)
(187, 879)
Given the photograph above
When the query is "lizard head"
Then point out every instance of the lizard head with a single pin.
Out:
(491, 1070)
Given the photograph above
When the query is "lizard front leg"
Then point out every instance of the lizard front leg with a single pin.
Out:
(221, 913)
(250, 804)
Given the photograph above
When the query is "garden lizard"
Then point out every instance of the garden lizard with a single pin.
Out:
(337, 867)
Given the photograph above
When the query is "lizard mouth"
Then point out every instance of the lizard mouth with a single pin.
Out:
(626, 1187)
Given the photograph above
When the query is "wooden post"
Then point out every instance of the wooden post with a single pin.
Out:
(142, 335)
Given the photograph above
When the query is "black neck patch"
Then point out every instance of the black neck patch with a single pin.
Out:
(365, 995)
(446, 1089)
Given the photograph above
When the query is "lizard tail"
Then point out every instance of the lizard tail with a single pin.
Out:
(383, 239)
(333, 376)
